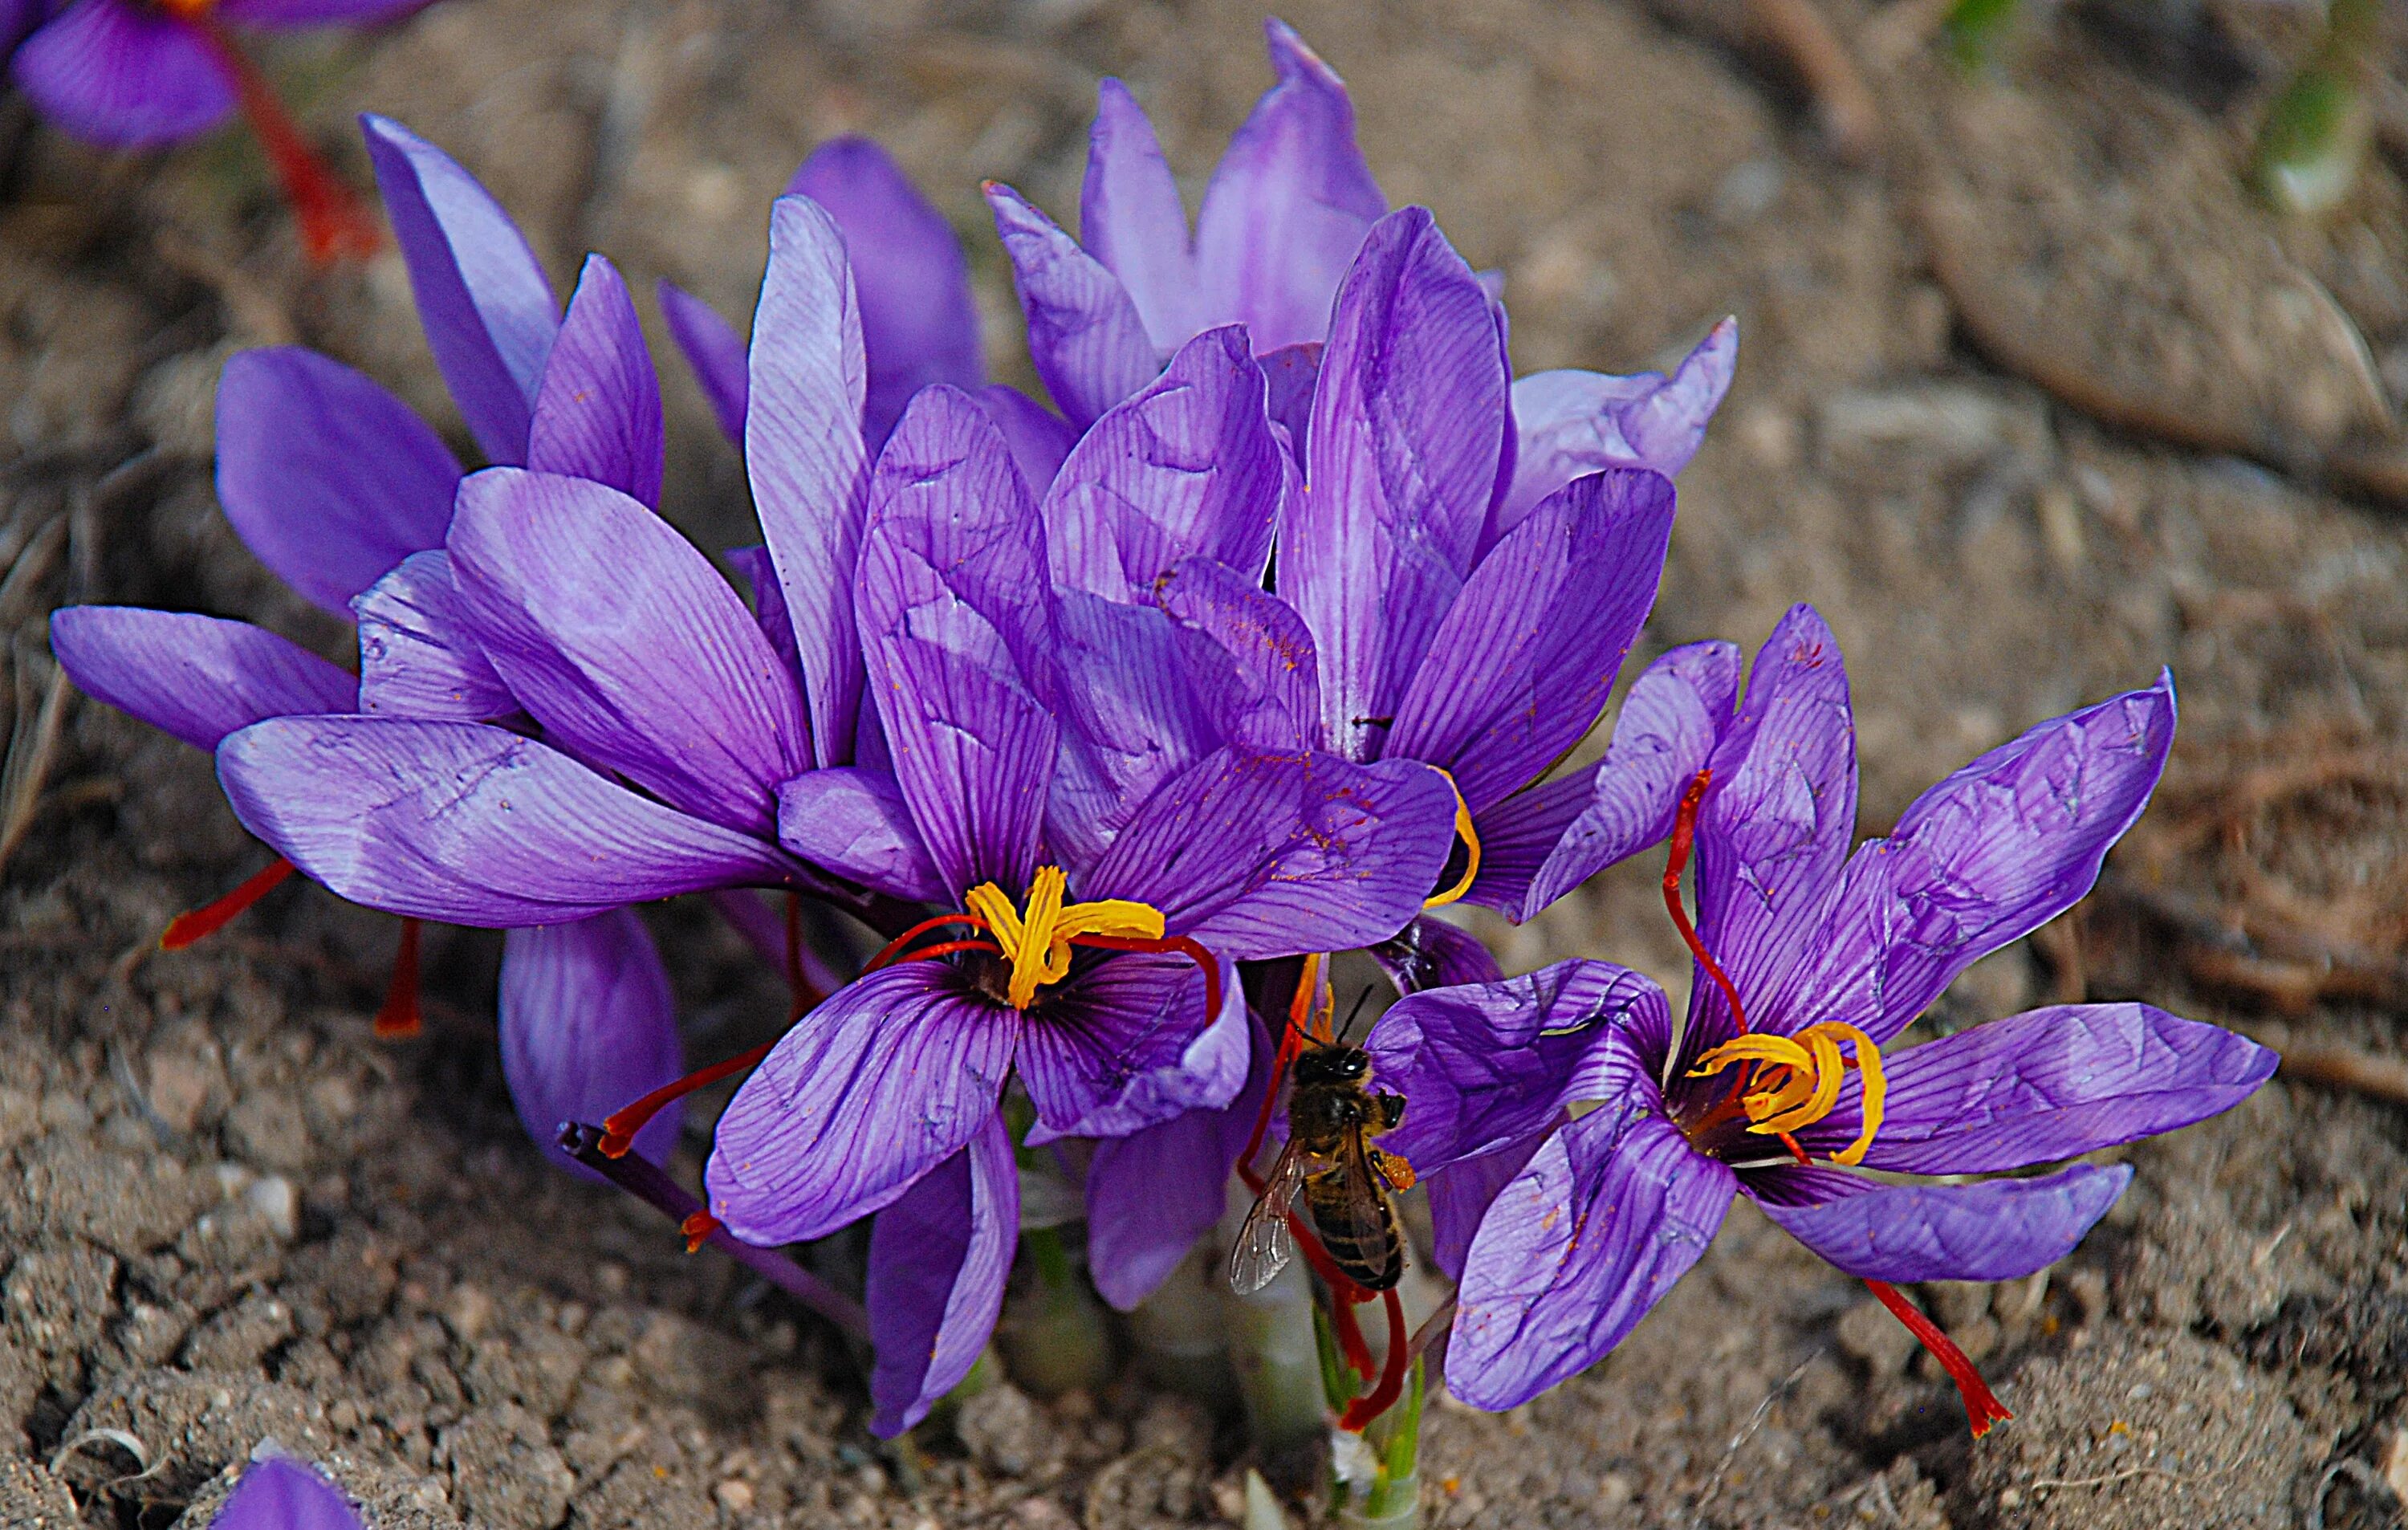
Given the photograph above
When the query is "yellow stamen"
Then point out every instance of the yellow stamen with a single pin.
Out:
(1798, 1079)
(1471, 838)
(1037, 942)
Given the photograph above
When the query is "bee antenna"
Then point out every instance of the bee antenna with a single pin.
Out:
(1360, 1000)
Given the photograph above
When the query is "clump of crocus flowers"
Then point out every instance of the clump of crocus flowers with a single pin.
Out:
(1118, 720)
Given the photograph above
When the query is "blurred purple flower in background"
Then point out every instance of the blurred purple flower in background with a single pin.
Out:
(280, 1494)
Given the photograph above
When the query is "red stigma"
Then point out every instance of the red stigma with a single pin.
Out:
(1685, 836)
(619, 1130)
(892, 952)
(1184, 945)
(333, 223)
(803, 995)
(1981, 1407)
(399, 1019)
(1363, 1409)
(698, 1229)
(186, 928)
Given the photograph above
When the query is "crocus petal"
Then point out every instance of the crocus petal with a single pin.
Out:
(1260, 855)
(1992, 1230)
(1126, 1043)
(1130, 719)
(1431, 953)
(1085, 336)
(588, 1027)
(328, 479)
(1041, 440)
(1987, 855)
(937, 1261)
(1671, 723)
(419, 655)
(1571, 423)
(18, 19)
(1250, 658)
(487, 308)
(1483, 1066)
(715, 352)
(277, 1493)
(1520, 667)
(1461, 1192)
(918, 323)
(620, 637)
(1608, 1213)
(880, 1083)
(282, 13)
(1187, 467)
(803, 449)
(2046, 1085)
(124, 76)
(1288, 205)
(195, 676)
(1291, 374)
(470, 824)
(1407, 425)
(855, 823)
(759, 570)
(1131, 220)
(597, 411)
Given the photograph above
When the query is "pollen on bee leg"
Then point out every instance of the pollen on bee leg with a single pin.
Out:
(1394, 1169)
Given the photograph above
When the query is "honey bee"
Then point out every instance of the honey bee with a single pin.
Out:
(1332, 1115)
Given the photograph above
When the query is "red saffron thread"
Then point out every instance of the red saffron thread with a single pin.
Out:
(185, 928)
(333, 221)
(619, 1131)
(399, 1019)
(1363, 1409)
(947, 948)
(803, 997)
(1685, 833)
(698, 1229)
(1186, 946)
(893, 948)
(1981, 1407)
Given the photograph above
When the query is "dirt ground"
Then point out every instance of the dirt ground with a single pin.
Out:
(2032, 400)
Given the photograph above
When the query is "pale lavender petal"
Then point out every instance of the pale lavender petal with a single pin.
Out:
(597, 411)
(1085, 336)
(881, 1082)
(855, 823)
(619, 636)
(1040, 439)
(938, 1258)
(328, 479)
(1261, 855)
(589, 1027)
(1608, 1213)
(1187, 467)
(470, 824)
(918, 323)
(277, 1493)
(195, 676)
(2046, 1085)
(124, 76)
(972, 754)
(715, 352)
(1150, 1194)
(1570, 423)
(487, 308)
(1249, 656)
(1126, 1042)
(760, 571)
(284, 13)
(1407, 425)
(1991, 1230)
(1288, 205)
(1129, 719)
(1290, 374)
(1131, 220)
(419, 655)
(1520, 667)
(804, 450)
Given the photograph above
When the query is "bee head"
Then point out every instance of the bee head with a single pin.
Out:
(1333, 1066)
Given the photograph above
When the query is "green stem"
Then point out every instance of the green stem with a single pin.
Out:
(1055, 1335)
(1392, 1499)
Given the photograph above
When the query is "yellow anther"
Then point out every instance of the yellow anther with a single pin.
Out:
(1037, 941)
(1798, 1079)
(1471, 838)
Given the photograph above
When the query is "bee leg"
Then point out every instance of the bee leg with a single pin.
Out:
(1392, 1110)
(1393, 1168)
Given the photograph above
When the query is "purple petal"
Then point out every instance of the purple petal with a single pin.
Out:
(620, 637)
(195, 676)
(937, 1261)
(1987, 855)
(1609, 1212)
(487, 308)
(470, 824)
(328, 479)
(760, 571)
(2047, 1085)
(1260, 855)
(282, 13)
(1671, 723)
(880, 1083)
(276, 1493)
(1407, 425)
(804, 450)
(715, 352)
(1520, 668)
(1130, 719)
(1084, 338)
(1290, 374)
(589, 1027)
(1249, 657)
(1517, 835)
(1187, 467)
(598, 412)
(1288, 205)
(855, 823)
(419, 655)
(124, 76)
(1040, 439)
(1992, 1230)
(1126, 1043)
(1431, 953)
(918, 322)
(1461, 1193)
(1131, 220)
(1569, 424)
(18, 19)
(972, 755)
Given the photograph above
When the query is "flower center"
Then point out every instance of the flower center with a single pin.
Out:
(1795, 1080)
(1036, 940)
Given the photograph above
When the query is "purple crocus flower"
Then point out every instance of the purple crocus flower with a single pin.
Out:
(278, 1494)
(1775, 1085)
(1094, 910)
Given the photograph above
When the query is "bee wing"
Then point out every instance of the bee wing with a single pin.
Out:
(1360, 1218)
(1264, 1247)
